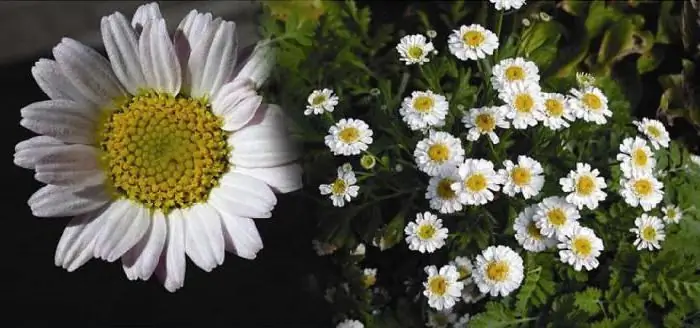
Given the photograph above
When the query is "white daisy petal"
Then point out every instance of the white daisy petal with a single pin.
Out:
(237, 102)
(65, 120)
(211, 63)
(580, 248)
(655, 131)
(281, 179)
(77, 242)
(498, 271)
(243, 112)
(258, 66)
(53, 201)
(133, 234)
(75, 165)
(142, 259)
(241, 237)
(144, 14)
(264, 142)
(193, 28)
(122, 49)
(650, 232)
(118, 218)
(51, 79)
(172, 265)
(30, 151)
(204, 243)
(159, 62)
(244, 196)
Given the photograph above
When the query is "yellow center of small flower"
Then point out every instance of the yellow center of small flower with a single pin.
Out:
(476, 182)
(524, 103)
(640, 157)
(554, 107)
(497, 271)
(671, 213)
(582, 246)
(444, 189)
(439, 153)
(534, 231)
(592, 101)
(426, 231)
(423, 104)
(520, 176)
(473, 38)
(438, 285)
(349, 135)
(369, 280)
(585, 185)
(556, 217)
(415, 52)
(318, 100)
(643, 187)
(162, 151)
(338, 187)
(653, 131)
(485, 122)
(649, 233)
(515, 73)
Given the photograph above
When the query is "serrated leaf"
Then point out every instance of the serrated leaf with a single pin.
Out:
(526, 290)
(496, 315)
(587, 300)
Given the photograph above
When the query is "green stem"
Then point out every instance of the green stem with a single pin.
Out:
(499, 25)
(402, 87)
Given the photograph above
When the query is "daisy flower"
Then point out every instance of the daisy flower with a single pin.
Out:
(580, 248)
(343, 189)
(655, 131)
(498, 271)
(672, 214)
(464, 267)
(159, 151)
(426, 233)
(528, 234)
(484, 120)
(369, 277)
(650, 232)
(438, 152)
(507, 4)
(349, 137)
(584, 186)
(472, 42)
(442, 288)
(478, 181)
(321, 101)
(555, 217)
(440, 194)
(557, 111)
(414, 49)
(441, 319)
(642, 190)
(636, 157)
(348, 323)
(590, 104)
(512, 70)
(424, 109)
(525, 103)
(524, 177)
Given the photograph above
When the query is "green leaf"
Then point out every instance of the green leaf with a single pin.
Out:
(675, 155)
(540, 43)
(623, 39)
(496, 315)
(587, 300)
(526, 290)
(599, 17)
(650, 60)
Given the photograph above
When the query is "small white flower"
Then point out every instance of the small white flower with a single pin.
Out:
(672, 214)
(369, 277)
(431, 34)
(414, 49)
(442, 288)
(525, 103)
(655, 131)
(343, 189)
(426, 233)
(590, 104)
(636, 157)
(581, 249)
(368, 161)
(484, 120)
(643, 190)
(478, 182)
(524, 177)
(545, 16)
(498, 271)
(349, 137)
(398, 168)
(472, 42)
(528, 234)
(556, 217)
(471, 293)
(424, 109)
(350, 324)
(584, 186)
(464, 267)
(526, 22)
(441, 319)
(323, 248)
(438, 152)
(584, 79)
(507, 4)
(557, 111)
(463, 321)
(650, 232)
(440, 194)
(512, 70)
(320, 101)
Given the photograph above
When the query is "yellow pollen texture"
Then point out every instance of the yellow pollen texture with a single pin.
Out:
(592, 101)
(515, 73)
(415, 52)
(486, 122)
(473, 38)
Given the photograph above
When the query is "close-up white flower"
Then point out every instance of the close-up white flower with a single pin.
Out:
(650, 232)
(636, 157)
(438, 152)
(525, 104)
(472, 42)
(580, 248)
(343, 189)
(441, 319)
(512, 70)
(556, 217)
(528, 234)
(350, 323)
(642, 189)
(498, 270)
(590, 104)
(584, 186)
(159, 151)
(426, 233)
(320, 101)
(424, 109)
(442, 287)
(478, 181)
(507, 4)
(557, 111)
(672, 214)
(440, 194)
(485, 120)
(369, 277)
(524, 177)
(655, 131)
(414, 49)
(349, 137)
(464, 267)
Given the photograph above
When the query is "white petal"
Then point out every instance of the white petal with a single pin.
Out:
(144, 14)
(212, 60)
(244, 196)
(52, 201)
(204, 243)
(282, 179)
(171, 268)
(237, 102)
(29, 151)
(71, 165)
(192, 29)
(141, 260)
(55, 84)
(258, 66)
(88, 71)
(119, 216)
(138, 226)
(160, 65)
(122, 49)
(241, 236)
(77, 242)
(65, 120)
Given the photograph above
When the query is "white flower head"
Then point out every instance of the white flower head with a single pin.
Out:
(424, 109)
(485, 120)
(343, 189)
(426, 233)
(498, 271)
(321, 101)
(442, 287)
(580, 248)
(349, 137)
(323, 248)
(642, 189)
(439, 152)
(590, 104)
(369, 277)
(464, 267)
(655, 131)
(526, 22)
(556, 217)
(359, 250)
(672, 214)
(650, 232)
(478, 181)
(525, 103)
(507, 4)
(584, 186)
(472, 42)
(636, 157)
(557, 111)
(414, 49)
(528, 234)
(349, 323)
(584, 79)
(440, 194)
(511, 70)
(441, 319)
(523, 177)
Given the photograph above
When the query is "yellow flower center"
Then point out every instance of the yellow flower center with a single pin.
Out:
(437, 285)
(654, 131)
(671, 213)
(476, 182)
(582, 246)
(649, 233)
(585, 185)
(439, 153)
(523, 103)
(556, 217)
(426, 231)
(318, 100)
(515, 73)
(423, 104)
(643, 187)
(162, 151)
(444, 189)
(415, 52)
(338, 187)
(497, 271)
(473, 38)
(554, 107)
(640, 157)
(485, 122)
(349, 135)
(369, 280)
(534, 231)
(592, 101)
(520, 176)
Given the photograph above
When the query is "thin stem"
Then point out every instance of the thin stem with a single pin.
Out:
(402, 86)
(499, 25)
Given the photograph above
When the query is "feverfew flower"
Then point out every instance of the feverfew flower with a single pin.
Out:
(655, 131)
(414, 49)
(478, 182)
(584, 79)
(369, 277)
(349, 137)
(440, 194)
(512, 70)
(524, 177)
(557, 111)
(636, 157)
(527, 233)
(441, 319)
(426, 233)
(424, 109)
(343, 189)
(321, 101)
(442, 288)
(464, 267)
(507, 4)
(525, 103)
(672, 214)
(556, 217)
(590, 104)
(584, 186)
(484, 120)
(650, 232)
(498, 271)
(438, 152)
(348, 323)
(472, 42)
(580, 248)
(642, 190)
